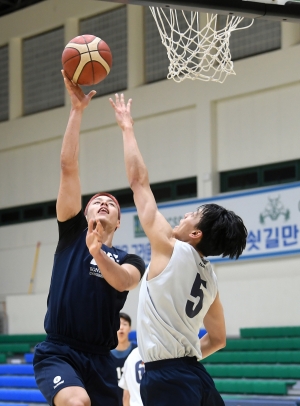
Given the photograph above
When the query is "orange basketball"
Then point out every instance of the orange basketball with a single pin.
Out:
(86, 60)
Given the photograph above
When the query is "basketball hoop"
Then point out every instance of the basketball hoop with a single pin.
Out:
(196, 52)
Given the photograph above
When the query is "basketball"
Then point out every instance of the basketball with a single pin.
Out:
(86, 60)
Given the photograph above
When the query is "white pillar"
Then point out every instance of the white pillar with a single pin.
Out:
(290, 34)
(71, 31)
(15, 78)
(135, 21)
(206, 145)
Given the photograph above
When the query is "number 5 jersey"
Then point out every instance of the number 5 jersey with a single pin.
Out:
(172, 306)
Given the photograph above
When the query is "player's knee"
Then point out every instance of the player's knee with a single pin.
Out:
(69, 397)
(79, 401)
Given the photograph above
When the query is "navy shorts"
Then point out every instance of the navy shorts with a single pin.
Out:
(57, 366)
(178, 382)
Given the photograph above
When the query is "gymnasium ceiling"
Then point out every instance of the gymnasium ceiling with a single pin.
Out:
(10, 6)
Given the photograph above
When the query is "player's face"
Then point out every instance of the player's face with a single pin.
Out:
(187, 225)
(104, 209)
(123, 331)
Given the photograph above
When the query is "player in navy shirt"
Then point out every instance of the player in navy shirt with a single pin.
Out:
(89, 285)
(124, 348)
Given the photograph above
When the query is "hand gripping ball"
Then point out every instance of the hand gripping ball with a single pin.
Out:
(87, 60)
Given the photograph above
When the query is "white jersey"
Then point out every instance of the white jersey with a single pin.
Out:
(132, 376)
(172, 306)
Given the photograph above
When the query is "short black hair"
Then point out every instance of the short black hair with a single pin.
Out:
(125, 317)
(223, 232)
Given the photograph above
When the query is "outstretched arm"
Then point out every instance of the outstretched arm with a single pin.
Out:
(214, 323)
(69, 195)
(156, 227)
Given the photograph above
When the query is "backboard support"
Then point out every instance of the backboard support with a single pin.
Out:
(269, 10)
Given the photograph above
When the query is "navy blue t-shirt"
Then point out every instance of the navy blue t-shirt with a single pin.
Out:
(119, 360)
(83, 309)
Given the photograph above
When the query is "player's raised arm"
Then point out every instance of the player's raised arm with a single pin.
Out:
(156, 227)
(69, 195)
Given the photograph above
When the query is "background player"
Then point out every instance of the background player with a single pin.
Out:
(133, 372)
(179, 291)
(89, 285)
(123, 349)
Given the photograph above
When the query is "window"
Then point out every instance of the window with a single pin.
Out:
(260, 176)
(42, 80)
(164, 191)
(262, 36)
(112, 28)
(156, 59)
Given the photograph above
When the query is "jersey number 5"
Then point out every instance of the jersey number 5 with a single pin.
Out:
(196, 292)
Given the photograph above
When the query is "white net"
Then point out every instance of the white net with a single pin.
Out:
(196, 49)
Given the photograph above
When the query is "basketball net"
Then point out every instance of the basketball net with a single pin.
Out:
(196, 52)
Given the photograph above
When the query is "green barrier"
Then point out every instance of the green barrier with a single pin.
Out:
(31, 339)
(259, 344)
(253, 386)
(14, 348)
(253, 357)
(254, 371)
(289, 331)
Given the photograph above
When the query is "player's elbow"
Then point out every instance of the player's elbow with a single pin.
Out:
(125, 286)
(138, 179)
(130, 279)
(222, 343)
(217, 341)
(68, 167)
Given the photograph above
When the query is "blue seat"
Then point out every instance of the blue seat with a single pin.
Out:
(16, 369)
(22, 395)
(202, 332)
(13, 381)
(13, 404)
(132, 336)
(28, 357)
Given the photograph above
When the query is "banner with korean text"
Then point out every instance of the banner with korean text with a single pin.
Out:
(271, 215)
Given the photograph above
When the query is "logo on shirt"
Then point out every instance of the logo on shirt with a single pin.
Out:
(57, 381)
(95, 271)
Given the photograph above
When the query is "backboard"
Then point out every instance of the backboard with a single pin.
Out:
(276, 10)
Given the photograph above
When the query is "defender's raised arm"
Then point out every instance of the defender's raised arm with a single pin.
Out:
(156, 227)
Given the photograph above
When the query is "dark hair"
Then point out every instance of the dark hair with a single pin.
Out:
(125, 317)
(223, 232)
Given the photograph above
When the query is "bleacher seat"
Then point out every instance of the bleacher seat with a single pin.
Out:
(17, 382)
(28, 357)
(276, 371)
(132, 336)
(14, 348)
(253, 386)
(264, 332)
(13, 404)
(259, 344)
(22, 395)
(264, 361)
(260, 402)
(253, 357)
(16, 369)
(31, 339)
